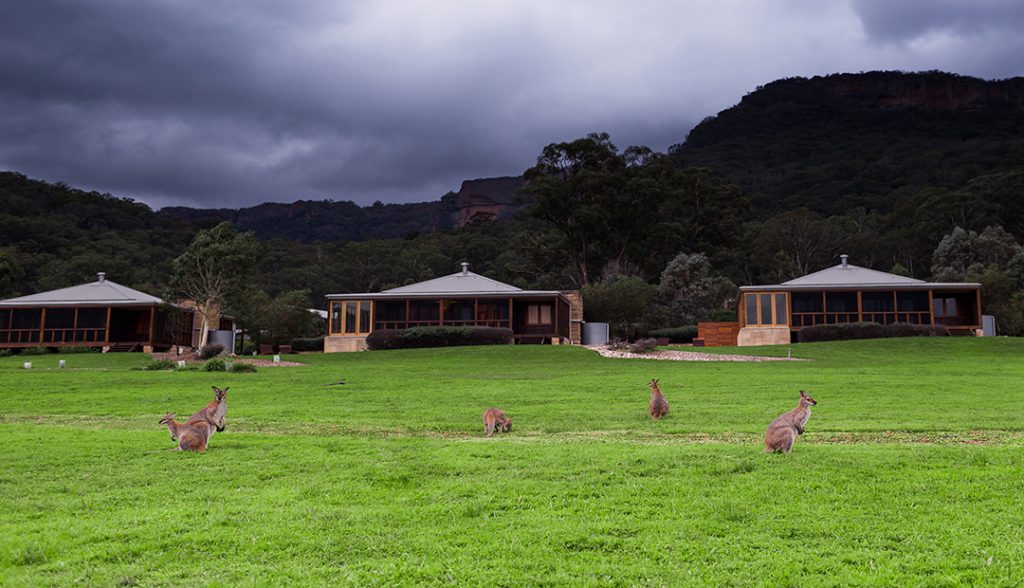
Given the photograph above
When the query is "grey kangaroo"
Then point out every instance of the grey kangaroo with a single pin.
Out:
(782, 433)
(658, 406)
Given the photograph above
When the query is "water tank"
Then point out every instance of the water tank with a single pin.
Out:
(223, 337)
(988, 325)
(595, 333)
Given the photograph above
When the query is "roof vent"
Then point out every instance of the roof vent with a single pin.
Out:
(845, 259)
(465, 268)
(102, 277)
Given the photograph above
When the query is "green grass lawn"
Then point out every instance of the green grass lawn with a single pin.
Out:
(910, 472)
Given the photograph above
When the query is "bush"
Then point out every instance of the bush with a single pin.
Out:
(643, 345)
(675, 334)
(5, 352)
(210, 350)
(214, 365)
(437, 337)
(78, 349)
(159, 364)
(35, 350)
(308, 344)
(865, 330)
(242, 368)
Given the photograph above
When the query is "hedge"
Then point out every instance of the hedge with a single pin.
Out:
(308, 344)
(437, 337)
(675, 334)
(866, 330)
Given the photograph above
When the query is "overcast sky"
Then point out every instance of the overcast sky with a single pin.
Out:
(232, 102)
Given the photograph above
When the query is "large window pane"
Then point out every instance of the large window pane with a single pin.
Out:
(765, 303)
(781, 312)
(350, 317)
(364, 317)
(750, 302)
(336, 317)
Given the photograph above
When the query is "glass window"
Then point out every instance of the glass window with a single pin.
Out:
(538, 314)
(765, 303)
(350, 317)
(364, 317)
(336, 317)
(750, 301)
(781, 312)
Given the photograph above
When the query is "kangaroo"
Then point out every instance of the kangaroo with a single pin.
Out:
(658, 406)
(781, 434)
(214, 412)
(495, 420)
(190, 436)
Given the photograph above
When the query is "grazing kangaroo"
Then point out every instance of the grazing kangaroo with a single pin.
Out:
(190, 436)
(495, 419)
(214, 412)
(781, 434)
(658, 406)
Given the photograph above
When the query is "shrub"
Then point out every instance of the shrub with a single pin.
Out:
(675, 334)
(643, 345)
(437, 337)
(308, 344)
(243, 368)
(78, 349)
(159, 364)
(865, 330)
(35, 350)
(210, 350)
(214, 365)
(248, 348)
(5, 352)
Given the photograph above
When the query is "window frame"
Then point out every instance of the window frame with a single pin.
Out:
(341, 307)
(756, 310)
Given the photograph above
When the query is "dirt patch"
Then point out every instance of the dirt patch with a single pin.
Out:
(673, 355)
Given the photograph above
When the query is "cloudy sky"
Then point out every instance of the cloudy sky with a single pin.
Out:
(234, 102)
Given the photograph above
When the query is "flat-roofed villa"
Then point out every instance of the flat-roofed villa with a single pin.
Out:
(96, 314)
(460, 299)
(775, 314)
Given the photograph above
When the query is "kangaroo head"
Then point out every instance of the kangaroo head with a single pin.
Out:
(806, 400)
(220, 394)
(654, 384)
(507, 425)
(167, 418)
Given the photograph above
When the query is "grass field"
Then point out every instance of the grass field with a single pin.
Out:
(911, 471)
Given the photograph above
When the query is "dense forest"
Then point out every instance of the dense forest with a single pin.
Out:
(921, 174)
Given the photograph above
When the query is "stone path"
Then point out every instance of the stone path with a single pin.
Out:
(673, 355)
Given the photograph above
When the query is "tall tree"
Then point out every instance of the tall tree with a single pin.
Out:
(213, 270)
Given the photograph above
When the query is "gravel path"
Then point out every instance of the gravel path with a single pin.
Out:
(672, 355)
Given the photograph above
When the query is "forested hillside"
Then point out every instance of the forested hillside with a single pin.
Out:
(920, 174)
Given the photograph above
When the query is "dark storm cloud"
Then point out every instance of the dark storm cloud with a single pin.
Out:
(907, 20)
(233, 103)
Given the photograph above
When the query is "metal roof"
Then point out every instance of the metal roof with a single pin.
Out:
(847, 276)
(465, 282)
(102, 292)
(459, 284)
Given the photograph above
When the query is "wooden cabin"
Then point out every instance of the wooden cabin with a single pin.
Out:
(460, 299)
(775, 314)
(97, 314)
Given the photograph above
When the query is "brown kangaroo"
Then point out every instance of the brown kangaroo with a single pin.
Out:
(658, 406)
(495, 420)
(781, 434)
(213, 413)
(190, 436)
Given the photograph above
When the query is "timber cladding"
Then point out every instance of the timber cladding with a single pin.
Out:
(718, 334)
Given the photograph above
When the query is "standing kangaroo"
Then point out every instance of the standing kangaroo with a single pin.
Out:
(781, 434)
(658, 406)
(213, 413)
(495, 419)
(190, 436)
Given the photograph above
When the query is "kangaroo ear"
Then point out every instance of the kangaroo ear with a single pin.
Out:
(215, 389)
(226, 389)
(803, 394)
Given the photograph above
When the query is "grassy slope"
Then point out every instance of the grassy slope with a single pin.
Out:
(385, 480)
